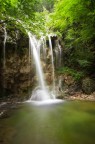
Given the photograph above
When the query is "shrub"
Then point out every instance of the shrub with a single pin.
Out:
(75, 74)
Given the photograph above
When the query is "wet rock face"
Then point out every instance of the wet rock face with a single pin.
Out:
(16, 77)
(88, 85)
(66, 86)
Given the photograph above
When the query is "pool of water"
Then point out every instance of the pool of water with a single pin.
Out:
(57, 123)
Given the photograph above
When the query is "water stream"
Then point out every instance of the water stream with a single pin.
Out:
(36, 57)
(38, 52)
(4, 50)
(4, 57)
(39, 93)
(52, 62)
(58, 54)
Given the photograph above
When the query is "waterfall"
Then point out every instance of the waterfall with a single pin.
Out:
(52, 62)
(4, 58)
(44, 47)
(58, 54)
(4, 50)
(37, 49)
(39, 93)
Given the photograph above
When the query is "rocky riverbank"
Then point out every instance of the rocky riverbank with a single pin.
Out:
(81, 96)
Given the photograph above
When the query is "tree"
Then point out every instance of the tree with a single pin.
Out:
(21, 13)
(75, 20)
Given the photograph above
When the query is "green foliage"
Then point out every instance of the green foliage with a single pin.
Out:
(23, 14)
(47, 4)
(84, 63)
(26, 15)
(74, 12)
(75, 74)
(76, 17)
(75, 20)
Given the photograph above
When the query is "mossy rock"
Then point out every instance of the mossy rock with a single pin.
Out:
(88, 85)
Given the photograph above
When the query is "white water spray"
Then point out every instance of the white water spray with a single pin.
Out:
(39, 93)
(33, 49)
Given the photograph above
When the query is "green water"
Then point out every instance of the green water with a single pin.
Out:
(64, 123)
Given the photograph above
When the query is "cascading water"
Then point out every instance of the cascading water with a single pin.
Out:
(4, 57)
(37, 62)
(44, 47)
(41, 92)
(4, 52)
(58, 53)
(52, 62)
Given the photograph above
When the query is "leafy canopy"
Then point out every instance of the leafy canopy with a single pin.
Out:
(75, 20)
(24, 14)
